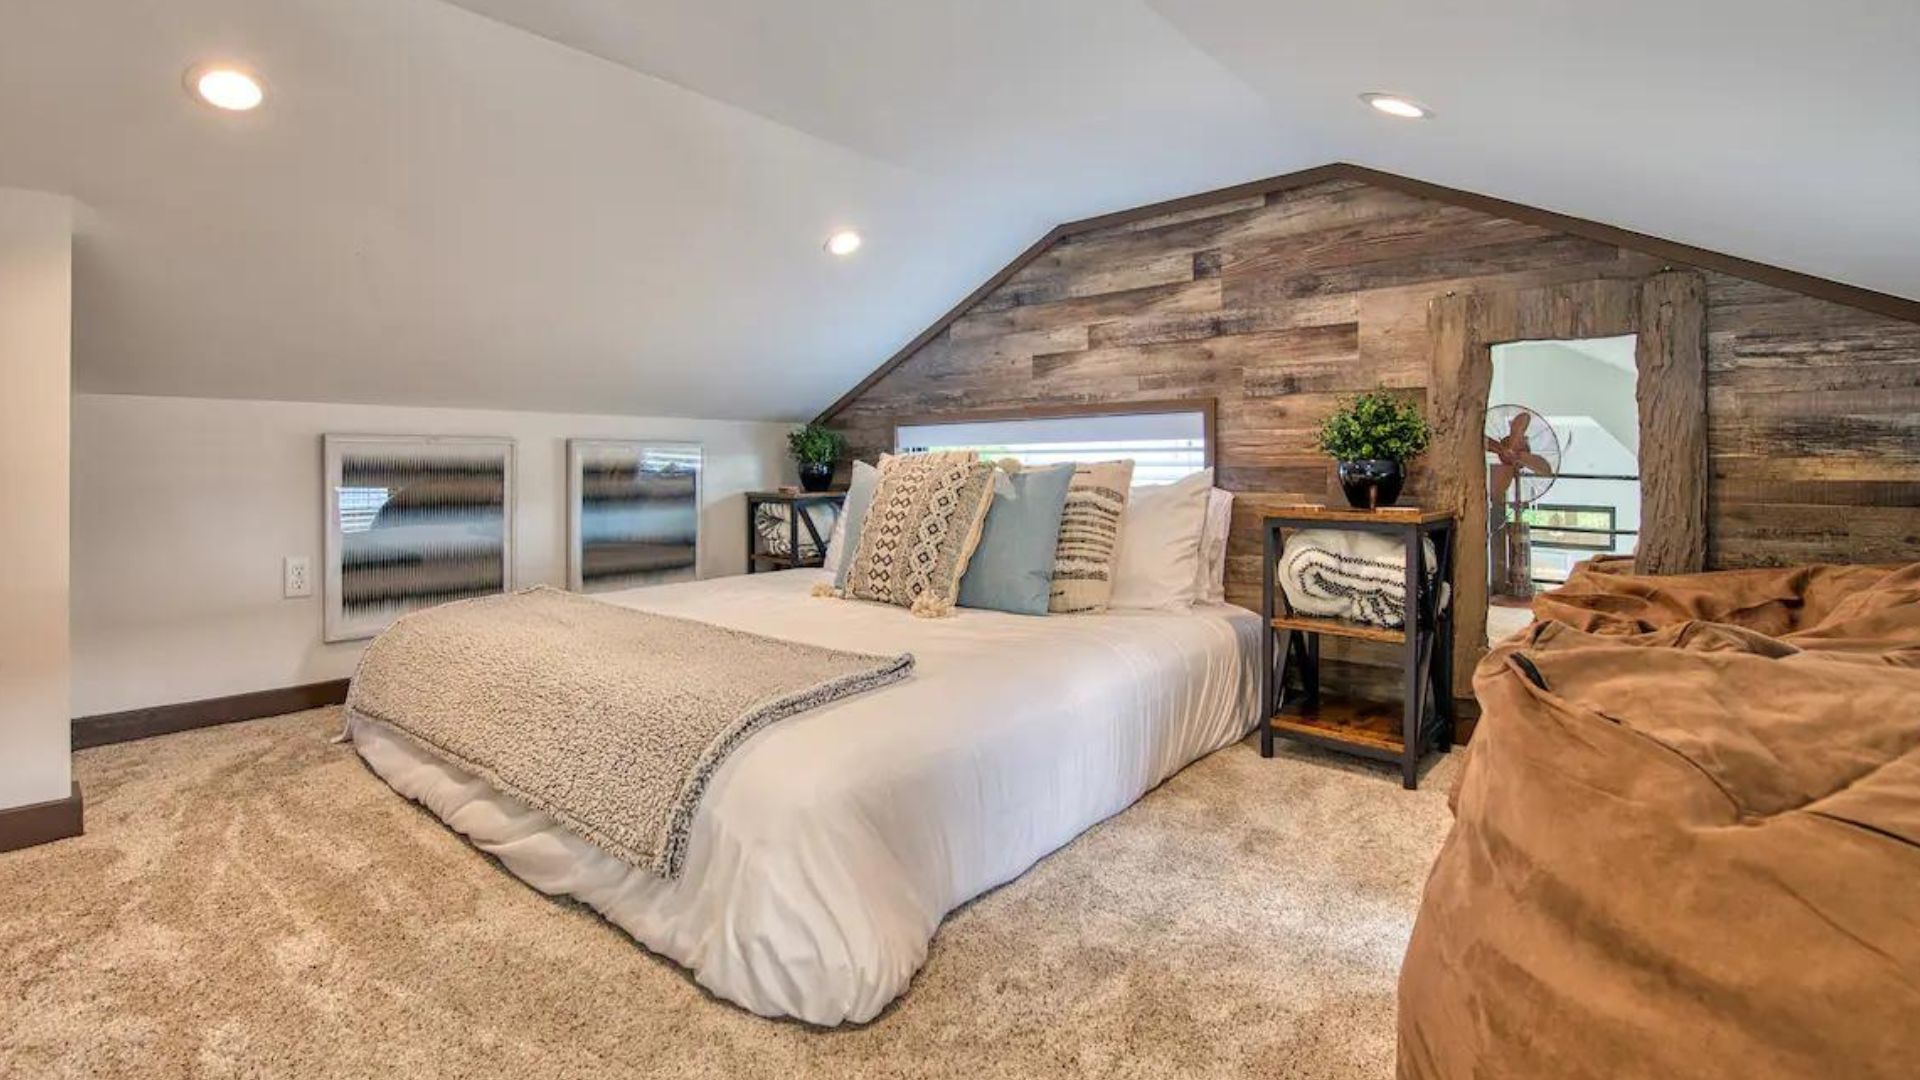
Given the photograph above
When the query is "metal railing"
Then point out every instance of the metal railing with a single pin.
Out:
(1612, 534)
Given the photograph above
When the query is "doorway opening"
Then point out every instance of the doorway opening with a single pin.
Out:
(1563, 466)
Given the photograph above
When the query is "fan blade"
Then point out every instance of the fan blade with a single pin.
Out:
(1495, 446)
(1519, 428)
(1535, 464)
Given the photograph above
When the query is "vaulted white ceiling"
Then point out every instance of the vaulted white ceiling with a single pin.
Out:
(619, 205)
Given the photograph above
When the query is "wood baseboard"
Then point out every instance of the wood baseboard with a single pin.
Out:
(166, 719)
(41, 823)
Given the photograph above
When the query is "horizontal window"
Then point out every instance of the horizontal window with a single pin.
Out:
(1162, 446)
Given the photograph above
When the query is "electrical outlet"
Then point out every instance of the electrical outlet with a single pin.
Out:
(297, 577)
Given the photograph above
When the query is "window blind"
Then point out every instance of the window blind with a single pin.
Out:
(1164, 447)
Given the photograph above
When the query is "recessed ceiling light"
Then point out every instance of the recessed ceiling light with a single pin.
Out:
(1395, 105)
(224, 86)
(843, 243)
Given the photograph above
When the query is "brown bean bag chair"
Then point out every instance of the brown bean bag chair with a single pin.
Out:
(1686, 838)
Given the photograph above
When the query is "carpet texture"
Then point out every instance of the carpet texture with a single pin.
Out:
(251, 901)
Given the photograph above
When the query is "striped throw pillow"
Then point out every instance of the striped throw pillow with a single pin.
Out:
(1089, 537)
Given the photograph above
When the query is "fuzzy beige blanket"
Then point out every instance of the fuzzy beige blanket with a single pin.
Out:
(610, 719)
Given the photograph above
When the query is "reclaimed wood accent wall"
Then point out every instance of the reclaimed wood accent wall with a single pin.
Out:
(1278, 305)
(1813, 430)
(1667, 313)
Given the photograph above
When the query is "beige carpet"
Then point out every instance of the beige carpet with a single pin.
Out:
(252, 901)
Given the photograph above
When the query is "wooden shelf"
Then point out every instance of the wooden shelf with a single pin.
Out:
(1398, 515)
(1340, 628)
(796, 496)
(1341, 718)
(787, 561)
(1354, 723)
(798, 517)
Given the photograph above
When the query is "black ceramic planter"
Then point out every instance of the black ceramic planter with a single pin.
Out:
(818, 476)
(1372, 484)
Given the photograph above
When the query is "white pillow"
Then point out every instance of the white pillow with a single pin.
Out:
(1211, 585)
(864, 476)
(1158, 564)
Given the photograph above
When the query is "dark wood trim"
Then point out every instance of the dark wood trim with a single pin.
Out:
(1880, 303)
(1207, 407)
(1319, 174)
(166, 719)
(41, 823)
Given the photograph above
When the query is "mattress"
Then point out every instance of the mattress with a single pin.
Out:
(829, 846)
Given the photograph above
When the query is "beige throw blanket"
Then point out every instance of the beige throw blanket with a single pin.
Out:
(610, 719)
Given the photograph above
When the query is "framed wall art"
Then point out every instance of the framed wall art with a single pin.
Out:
(633, 514)
(413, 521)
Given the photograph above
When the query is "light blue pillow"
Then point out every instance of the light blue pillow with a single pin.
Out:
(854, 513)
(1012, 569)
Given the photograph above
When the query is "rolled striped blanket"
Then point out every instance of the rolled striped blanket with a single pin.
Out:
(1355, 576)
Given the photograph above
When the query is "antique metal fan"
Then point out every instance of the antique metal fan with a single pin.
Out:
(1523, 457)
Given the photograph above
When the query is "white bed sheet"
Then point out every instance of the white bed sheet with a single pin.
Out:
(829, 846)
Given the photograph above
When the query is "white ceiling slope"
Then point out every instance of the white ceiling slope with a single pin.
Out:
(618, 205)
(1778, 130)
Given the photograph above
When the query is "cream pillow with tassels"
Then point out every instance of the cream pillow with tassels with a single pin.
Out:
(920, 531)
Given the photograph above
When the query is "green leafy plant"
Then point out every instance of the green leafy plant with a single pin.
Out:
(815, 445)
(1375, 426)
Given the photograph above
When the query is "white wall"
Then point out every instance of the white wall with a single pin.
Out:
(36, 335)
(1594, 377)
(183, 509)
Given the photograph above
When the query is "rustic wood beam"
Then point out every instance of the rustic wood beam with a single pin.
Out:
(1672, 392)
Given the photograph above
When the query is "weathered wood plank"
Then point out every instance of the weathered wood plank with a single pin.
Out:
(1672, 395)
(1198, 213)
(1424, 230)
(1729, 490)
(1180, 297)
(1150, 328)
(1779, 534)
(1456, 409)
(1863, 390)
(1439, 269)
(1891, 439)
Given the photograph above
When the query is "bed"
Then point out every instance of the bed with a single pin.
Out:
(829, 846)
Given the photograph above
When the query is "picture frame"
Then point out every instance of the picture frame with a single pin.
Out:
(412, 521)
(633, 512)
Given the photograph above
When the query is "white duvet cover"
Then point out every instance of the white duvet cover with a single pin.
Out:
(829, 846)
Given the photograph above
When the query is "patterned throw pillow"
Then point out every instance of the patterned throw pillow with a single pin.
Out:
(920, 530)
(1089, 536)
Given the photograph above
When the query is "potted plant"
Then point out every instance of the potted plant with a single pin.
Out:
(1372, 437)
(815, 449)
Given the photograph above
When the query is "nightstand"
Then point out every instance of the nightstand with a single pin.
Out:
(803, 524)
(1400, 732)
